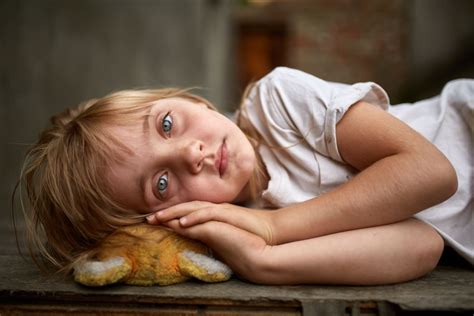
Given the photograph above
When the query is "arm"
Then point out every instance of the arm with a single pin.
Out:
(401, 173)
(376, 255)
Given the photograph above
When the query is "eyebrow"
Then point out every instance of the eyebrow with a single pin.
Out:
(146, 123)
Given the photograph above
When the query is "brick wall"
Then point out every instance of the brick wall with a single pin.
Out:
(348, 41)
(410, 47)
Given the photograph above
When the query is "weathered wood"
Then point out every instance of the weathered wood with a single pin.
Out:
(445, 289)
(166, 310)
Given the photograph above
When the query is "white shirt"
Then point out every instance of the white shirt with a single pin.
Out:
(296, 115)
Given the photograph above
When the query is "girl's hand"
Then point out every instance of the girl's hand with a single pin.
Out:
(239, 249)
(193, 213)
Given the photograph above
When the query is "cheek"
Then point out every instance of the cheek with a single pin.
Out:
(207, 189)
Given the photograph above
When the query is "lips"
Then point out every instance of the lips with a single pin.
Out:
(221, 161)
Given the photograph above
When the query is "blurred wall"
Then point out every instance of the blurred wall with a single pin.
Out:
(441, 45)
(55, 54)
(410, 47)
(350, 41)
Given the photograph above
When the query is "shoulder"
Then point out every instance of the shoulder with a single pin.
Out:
(286, 86)
(290, 78)
(288, 101)
(292, 88)
(283, 73)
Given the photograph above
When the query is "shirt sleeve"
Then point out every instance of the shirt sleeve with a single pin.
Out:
(296, 105)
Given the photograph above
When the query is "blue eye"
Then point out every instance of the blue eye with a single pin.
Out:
(167, 124)
(162, 184)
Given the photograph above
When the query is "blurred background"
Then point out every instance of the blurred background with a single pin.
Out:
(56, 53)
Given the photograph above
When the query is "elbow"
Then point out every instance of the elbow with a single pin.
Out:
(447, 179)
(440, 180)
(453, 181)
(422, 261)
(429, 252)
(434, 250)
(423, 255)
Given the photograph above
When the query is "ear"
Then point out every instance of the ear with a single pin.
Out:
(203, 267)
(99, 273)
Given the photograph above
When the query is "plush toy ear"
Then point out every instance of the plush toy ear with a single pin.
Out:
(203, 267)
(99, 273)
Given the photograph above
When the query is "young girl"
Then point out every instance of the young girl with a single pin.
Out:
(341, 171)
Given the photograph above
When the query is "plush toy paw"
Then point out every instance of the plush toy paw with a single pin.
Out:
(203, 267)
(147, 255)
(99, 273)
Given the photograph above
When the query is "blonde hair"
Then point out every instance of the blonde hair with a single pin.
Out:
(67, 203)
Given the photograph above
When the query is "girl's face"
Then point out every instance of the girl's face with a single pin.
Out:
(182, 152)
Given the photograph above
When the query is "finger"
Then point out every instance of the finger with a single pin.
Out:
(151, 219)
(215, 212)
(166, 215)
(203, 232)
(202, 216)
(195, 232)
(173, 224)
(176, 211)
(227, 213)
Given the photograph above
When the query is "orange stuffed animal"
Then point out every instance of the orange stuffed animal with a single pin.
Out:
(146, 255)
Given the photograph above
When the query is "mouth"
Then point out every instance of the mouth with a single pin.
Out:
(221, 161)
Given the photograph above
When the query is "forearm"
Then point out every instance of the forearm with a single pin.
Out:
(377, 255)
(390, 190)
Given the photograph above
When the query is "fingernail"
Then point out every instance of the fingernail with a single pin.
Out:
(183, 220)
(150, 218)
(160, 213)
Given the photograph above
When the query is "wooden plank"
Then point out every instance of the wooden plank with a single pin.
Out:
(446, 289)
(76, 310)
(54, 310)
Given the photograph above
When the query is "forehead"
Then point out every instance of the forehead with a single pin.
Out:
(178, 102)
(125, 121)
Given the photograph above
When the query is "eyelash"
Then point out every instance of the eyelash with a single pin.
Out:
(165, 178)
(167, 119)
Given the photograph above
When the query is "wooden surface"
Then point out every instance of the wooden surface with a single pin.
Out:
(22, 288)
(449, 290)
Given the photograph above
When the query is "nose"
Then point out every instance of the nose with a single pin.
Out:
(191, 155)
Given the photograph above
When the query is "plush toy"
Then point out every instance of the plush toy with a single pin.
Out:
(146, 255)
